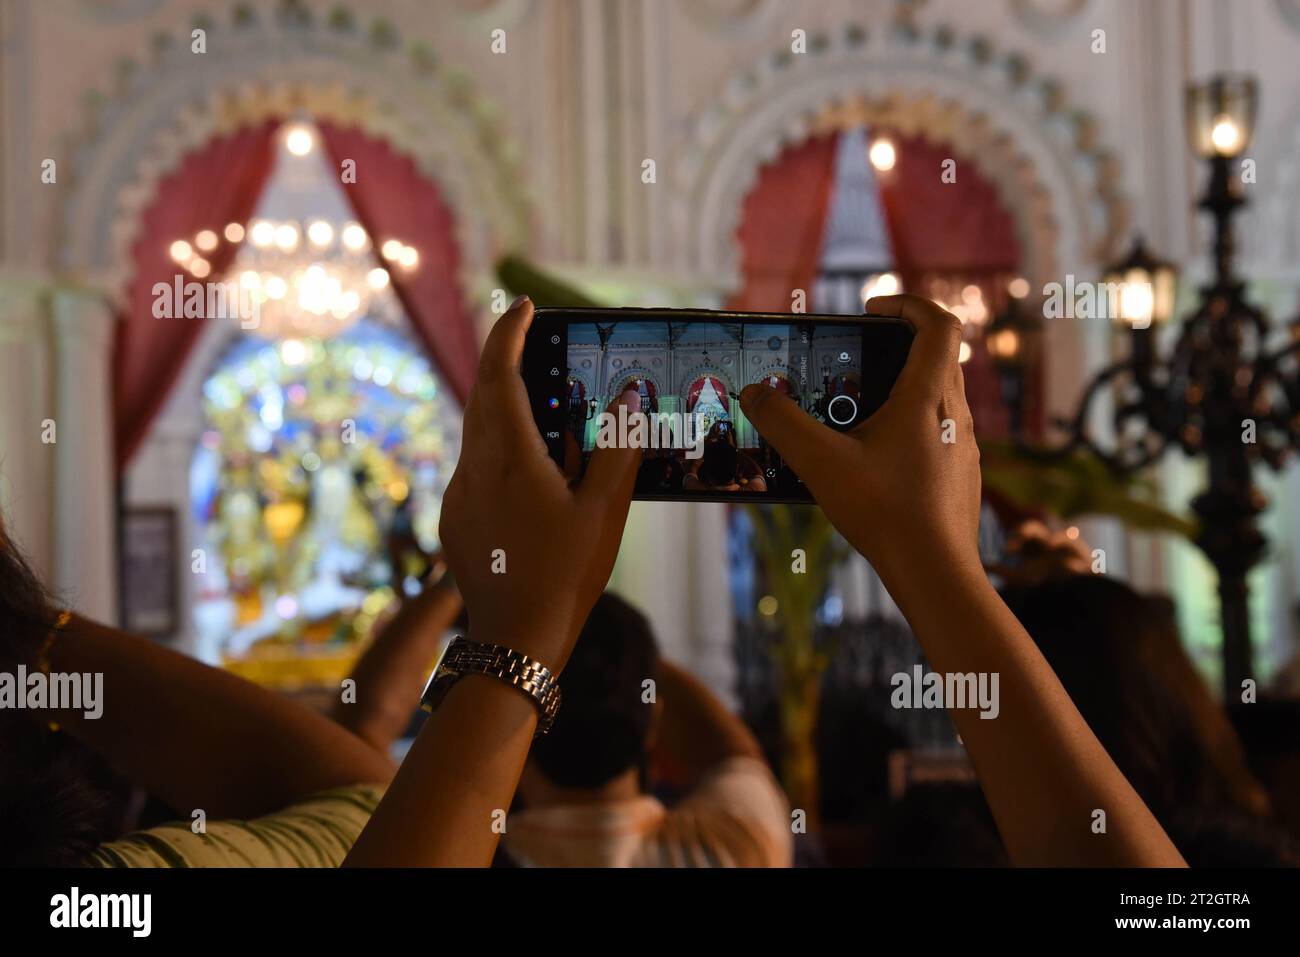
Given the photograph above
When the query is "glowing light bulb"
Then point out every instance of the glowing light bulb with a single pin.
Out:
(886, 284)
(1137, 301)
(409, 258)
(883, 155)
(286, 237)
(377, 278)
(1225, 135)
(320, 233)
(234, 232)
(181, 251)
(354, 237)
(391, 249)
(263, 233)
(206, 240)
(293, 352)
(299, 140)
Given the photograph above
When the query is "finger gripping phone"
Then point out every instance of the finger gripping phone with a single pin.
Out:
(683, 371)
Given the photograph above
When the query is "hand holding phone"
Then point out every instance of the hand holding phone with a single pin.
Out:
(904, 485)
(686, 369)
(531, 551)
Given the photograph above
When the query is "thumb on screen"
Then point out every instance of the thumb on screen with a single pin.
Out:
(803, 442)
(611, 473)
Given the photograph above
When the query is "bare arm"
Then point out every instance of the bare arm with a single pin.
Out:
(198, 737)
(695, 729)
(392, 670)
(559, 542)
(909, 501)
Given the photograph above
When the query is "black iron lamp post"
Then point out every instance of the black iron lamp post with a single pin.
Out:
(1224, 394)
(1012, 338)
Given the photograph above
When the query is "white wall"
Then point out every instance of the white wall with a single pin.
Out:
(589, 89)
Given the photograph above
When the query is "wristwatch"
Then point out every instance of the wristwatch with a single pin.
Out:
(465, 657)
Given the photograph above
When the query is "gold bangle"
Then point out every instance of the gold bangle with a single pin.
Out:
(43, 657)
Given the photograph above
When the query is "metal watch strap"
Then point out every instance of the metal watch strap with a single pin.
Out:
(465, 657)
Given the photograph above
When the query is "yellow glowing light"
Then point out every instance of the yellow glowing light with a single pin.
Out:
(293, 352)
(883, 155)
(262, 233)
(963, 353)
(1004, 344)
(249, 279)
(1018, 287)
(234, 232)
(886, 284)
(200, 267)
(767, 605)
(299, 141)
(206, 240)
(286, 237)
(354, 237)
(276, 287)
(320, 233)
(1137, 300)
(181, 251)
(1225, 135)
(377, 278)
(409, 258)
(391, 249)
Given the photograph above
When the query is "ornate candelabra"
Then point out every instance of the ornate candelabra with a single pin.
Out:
(1225, 393)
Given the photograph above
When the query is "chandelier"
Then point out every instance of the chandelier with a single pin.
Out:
(311, 278)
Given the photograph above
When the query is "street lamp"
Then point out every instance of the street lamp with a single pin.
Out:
(1224, 394)
(1143, 287)
(1012, 339)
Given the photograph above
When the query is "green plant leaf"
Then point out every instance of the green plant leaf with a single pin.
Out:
(1077, 484)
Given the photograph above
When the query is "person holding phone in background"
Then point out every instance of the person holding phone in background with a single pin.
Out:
(907, 501)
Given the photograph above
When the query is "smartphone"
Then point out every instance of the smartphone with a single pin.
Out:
(687, 368)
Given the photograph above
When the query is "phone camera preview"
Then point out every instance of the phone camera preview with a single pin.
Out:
(842, 410)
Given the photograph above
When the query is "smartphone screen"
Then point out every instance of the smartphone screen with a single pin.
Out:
(687, 369)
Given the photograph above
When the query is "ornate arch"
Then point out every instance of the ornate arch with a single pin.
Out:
(267, 62)
(703, 370)
(1061, 186)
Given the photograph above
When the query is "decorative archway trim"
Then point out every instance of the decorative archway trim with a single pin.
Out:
(1060, 184)
(267, 63)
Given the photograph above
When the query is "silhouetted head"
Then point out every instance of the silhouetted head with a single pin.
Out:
(718, 466)
(1118, 655)
(53, 809)
(604, 723)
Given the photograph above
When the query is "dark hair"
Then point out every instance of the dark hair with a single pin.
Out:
(52, 811)
(1118, 655)
(603, 723)
(719, 465)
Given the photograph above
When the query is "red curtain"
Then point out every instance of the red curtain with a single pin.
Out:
(781, 225)
(950, 235)
(215, 185)
(392, 199)
(940, 228)
(945, 236)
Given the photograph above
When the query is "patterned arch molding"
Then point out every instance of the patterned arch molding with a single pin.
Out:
(265, 63)
(1044, 157)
